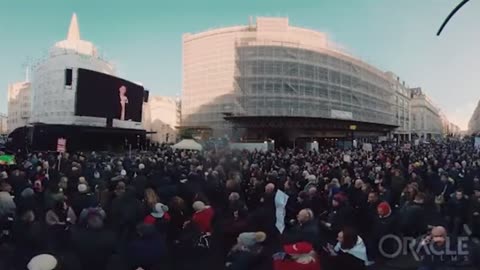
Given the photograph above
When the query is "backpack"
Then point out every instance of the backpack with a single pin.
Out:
(203, 241)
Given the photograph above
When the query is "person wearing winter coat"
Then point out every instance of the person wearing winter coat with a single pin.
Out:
(245, 254)
(397, 185)
(83, 199)
(298, 256)
(384, 224)
(340, 215)
(7, 204)
(203, 216)
(474, 212)
(306, 229)
(93, 244)
(126, 211)
(412, 217)
(149, 249)
(58, 220)
(349, 252)
(29, 236)
(159, 218)
(456, 211)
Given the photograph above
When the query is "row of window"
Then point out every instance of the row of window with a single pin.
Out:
(308, 72)
(304, 55)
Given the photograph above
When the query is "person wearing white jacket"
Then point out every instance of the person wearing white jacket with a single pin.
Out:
(349, 252)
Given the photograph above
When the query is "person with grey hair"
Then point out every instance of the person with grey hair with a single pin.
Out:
(7, 204)
(93, 244)
(305, 230)
(243, 255)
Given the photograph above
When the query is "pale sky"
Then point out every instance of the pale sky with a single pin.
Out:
(143, 38)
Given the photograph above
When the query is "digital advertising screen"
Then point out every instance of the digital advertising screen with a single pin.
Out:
(106, 96)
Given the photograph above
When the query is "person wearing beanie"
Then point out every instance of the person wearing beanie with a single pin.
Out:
(384, 224)
(203, 216)
(384, 210)
(83, 199)
(159, 217)
(42, 262)
(301, 256)
(341, 214)
(249, 247)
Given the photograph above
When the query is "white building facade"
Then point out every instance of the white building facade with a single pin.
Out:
(3, 124)
(164, 119)
(402, 108)
(53, 99)
(19, 105)
(427, 121)
(273, 69)
(474, 123)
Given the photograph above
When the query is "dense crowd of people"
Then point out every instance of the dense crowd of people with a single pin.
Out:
(286, 209)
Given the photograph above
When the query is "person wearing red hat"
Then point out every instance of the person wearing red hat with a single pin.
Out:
(383, 225)
(384, 210)
(298, 256)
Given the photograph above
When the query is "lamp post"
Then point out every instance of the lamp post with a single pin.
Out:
(353, 128)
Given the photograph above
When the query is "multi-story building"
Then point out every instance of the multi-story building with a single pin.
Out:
(454, 130)
(54, 113)
(3, 124)
(19, 105)
(402, 108)
(53, 97)
(164, 119)
(426, 117)
(474, 123)
(274, 80)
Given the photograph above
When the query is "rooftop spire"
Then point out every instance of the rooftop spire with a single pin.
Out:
(73, 30)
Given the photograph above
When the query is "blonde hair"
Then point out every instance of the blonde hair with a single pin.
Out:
(151, 197)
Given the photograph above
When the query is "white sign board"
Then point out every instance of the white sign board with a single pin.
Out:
(341, 114)
(367, 147)
(280, 202)
(382, 138)
(61, 145)
(249, 146)
(347, 158)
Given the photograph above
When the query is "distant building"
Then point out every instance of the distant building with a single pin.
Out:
(474, 123)
(53, 98)
(19, 105)
(454, 130)
(3, 124)
(426, 117)
(445, 124)
(164, 119)
(402, 108)
(272, 80)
